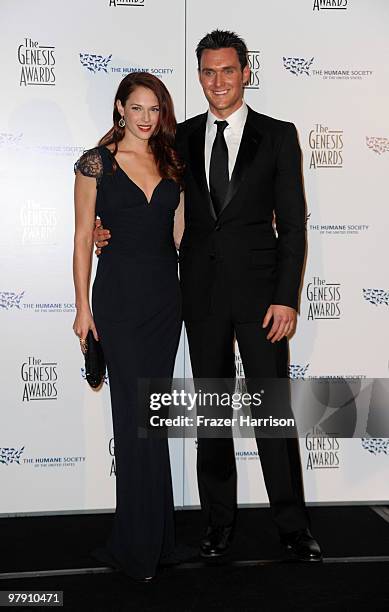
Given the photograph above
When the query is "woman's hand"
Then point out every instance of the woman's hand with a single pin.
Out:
(83, 323)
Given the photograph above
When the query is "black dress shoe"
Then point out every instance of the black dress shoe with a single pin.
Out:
(216, 541)
(302, 545)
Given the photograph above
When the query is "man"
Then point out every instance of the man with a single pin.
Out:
(239, 279)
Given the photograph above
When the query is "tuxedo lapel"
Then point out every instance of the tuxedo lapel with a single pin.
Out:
(246, 154)
(197, 162)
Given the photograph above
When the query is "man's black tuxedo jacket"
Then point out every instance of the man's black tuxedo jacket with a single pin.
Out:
(259, 266)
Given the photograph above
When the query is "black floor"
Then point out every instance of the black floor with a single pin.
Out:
(255, 576)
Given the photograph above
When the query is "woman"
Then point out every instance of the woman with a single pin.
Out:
(132, 181)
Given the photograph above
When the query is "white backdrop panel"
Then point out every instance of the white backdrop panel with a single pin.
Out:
(47, 120)
(342, 94)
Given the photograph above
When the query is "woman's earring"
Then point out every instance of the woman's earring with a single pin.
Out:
(122, 122)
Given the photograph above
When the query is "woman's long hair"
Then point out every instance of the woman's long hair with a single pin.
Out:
(162, 140)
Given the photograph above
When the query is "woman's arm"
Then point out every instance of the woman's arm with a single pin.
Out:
(85, 204)
(179, 222)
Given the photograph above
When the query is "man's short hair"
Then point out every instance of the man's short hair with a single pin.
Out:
(221, 39)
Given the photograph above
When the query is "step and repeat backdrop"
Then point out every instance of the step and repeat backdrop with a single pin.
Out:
(321, 64)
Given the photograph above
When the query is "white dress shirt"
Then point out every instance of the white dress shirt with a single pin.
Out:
(232, 135)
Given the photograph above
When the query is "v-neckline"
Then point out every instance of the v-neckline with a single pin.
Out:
(134, 183)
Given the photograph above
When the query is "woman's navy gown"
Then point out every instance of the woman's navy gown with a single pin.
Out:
(136, 306)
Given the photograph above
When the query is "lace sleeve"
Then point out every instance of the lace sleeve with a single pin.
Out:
(90, 164)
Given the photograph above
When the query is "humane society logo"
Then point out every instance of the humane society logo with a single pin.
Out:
(339, 229)
(246, 455)
(97, 63)
(10, 300)
(297, 371)
(377, 297)
(376, 446)
(298, 65)
(10, 455)
(378, 144)
(302, 66)
(105, 379)
(10, 141)
(17, 142)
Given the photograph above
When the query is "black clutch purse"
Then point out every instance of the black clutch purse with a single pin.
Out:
(94, 361)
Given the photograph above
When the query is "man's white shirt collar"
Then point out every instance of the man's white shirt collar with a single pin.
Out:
(236, 120)
(232, 135)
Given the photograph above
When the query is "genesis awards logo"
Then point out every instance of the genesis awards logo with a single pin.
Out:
(322, 450)
(377, 297)
(39, 224)
(255, 64)
(126, 2)
(321, 5)
(37, 63)
(324, 299)
(40, 380)
(111, 450)
(239, 372)
(326, 147)
(378, 145)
